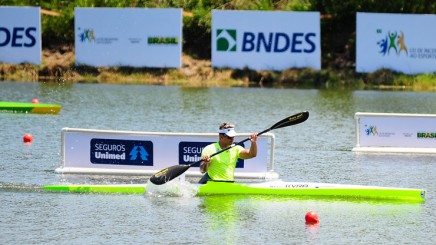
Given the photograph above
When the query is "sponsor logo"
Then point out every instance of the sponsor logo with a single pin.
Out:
(190, 152)
(392, 42)
(371, 130)
(18, 37)
(426, 135)
(87, 35)
(163, 40)
(226, 40)
(121, 152)
(269, 42)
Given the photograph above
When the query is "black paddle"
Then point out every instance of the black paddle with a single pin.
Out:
(173, 172)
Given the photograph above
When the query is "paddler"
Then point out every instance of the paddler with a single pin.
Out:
(222, 167)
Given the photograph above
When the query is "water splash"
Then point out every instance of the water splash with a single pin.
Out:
(174, 188)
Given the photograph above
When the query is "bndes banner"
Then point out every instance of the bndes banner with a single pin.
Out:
(266, 40)
(128, 37)
(401, 42)
(20, 35)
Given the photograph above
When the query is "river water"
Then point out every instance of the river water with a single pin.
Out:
(318, 150)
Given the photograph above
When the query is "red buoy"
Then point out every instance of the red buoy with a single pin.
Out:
(311, 218)
(27, 138)
(35, 101)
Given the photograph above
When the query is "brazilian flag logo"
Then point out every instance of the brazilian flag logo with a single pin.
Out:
(226, 40)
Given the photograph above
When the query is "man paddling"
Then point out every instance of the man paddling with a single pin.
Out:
(222, 167)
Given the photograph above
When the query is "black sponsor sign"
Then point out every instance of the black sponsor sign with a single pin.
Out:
(190, 152)
(121, 152)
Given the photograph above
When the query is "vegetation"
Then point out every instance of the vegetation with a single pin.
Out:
(338, 41)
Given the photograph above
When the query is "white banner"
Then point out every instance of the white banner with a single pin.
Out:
(119, 150)
(266, 40)
(20, 35)
(400, 42)
(395, 130)
(128, 37)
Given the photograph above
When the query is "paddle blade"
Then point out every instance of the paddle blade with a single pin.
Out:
(292, 120)
(168, 174)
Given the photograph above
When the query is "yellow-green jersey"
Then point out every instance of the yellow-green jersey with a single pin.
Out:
(222, 166)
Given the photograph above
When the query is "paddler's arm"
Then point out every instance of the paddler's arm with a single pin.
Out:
(252, 152)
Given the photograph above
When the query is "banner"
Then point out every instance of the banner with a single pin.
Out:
(20, 35)
(134, 37)
(121, 152)
(395, 130)
(400, 42)
(266, 40)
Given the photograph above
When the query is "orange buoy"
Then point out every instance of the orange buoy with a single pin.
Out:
(27, 138)
(311, 218)
(35, 101)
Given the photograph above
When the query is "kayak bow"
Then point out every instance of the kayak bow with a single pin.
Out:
(19, 107)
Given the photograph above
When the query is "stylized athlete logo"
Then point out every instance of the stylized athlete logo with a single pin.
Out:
(400, 43)
(393, 41)
(383, 45)
(226, 40)
(371, 130)
(392, 37)
(142, 152)
(87, 34)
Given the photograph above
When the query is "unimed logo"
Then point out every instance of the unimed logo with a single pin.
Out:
(226, 40)
(190, 152)
(121, 152)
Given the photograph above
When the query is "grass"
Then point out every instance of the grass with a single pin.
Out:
(58, 66)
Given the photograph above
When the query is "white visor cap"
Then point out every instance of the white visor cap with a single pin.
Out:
(228, 131)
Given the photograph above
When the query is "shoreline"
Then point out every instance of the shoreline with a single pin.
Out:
(58, 65)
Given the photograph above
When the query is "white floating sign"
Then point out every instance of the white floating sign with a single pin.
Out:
(394, 132)
(145, 153)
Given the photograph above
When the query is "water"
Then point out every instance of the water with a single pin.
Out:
(318, 150)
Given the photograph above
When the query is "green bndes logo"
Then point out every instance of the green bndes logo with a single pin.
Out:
(226, 40)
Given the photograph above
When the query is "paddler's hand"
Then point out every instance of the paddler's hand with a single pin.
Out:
(253, 137)
(204, 165)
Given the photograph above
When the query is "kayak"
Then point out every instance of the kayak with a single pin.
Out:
(277, 187)
(20, 107)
